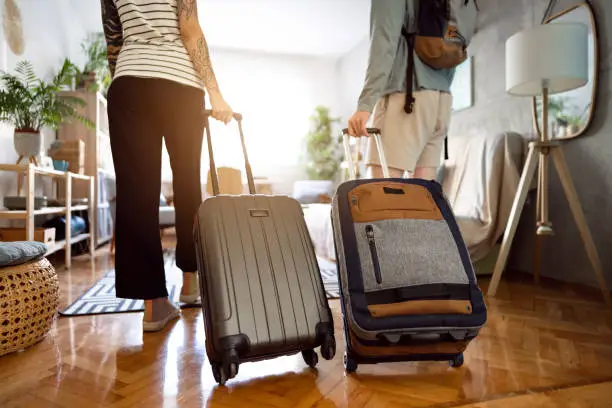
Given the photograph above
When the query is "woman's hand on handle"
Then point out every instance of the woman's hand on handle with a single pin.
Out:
(221, 110)
(357, 124)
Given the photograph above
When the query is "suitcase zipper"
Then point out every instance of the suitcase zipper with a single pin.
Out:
(374, 253)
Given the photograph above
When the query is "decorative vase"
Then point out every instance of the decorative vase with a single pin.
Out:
(27, 143)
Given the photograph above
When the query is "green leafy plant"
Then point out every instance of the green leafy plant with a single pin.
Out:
(29, 103)
(556, 105)
(94, 47)
(96, 66)
(557, 110)
(323, 149)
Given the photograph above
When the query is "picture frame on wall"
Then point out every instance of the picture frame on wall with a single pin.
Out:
(461, 88)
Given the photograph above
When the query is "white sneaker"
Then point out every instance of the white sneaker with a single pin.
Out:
(193, 290)
(172, 312)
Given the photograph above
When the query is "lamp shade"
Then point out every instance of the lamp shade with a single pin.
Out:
(554, 55)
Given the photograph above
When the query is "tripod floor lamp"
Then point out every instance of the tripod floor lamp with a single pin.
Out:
(547, 59)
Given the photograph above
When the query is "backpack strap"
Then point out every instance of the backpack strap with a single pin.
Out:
(409, 104)
(409, 36)
(446, 147)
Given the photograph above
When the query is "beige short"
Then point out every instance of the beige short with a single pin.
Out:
(415, 139)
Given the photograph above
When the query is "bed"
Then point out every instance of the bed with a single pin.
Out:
(480, 180)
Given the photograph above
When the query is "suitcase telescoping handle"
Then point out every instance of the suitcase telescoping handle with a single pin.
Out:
(213, 169)
(375, 133)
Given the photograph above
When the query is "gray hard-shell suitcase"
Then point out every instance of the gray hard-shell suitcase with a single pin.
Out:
(261, 288)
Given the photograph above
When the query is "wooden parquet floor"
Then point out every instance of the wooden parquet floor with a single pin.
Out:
(546, 346)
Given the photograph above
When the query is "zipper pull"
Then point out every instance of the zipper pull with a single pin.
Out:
(354, 199)
(370, 233)
(373, 253)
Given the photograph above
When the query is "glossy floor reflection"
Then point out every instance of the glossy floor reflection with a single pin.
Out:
(543, 347)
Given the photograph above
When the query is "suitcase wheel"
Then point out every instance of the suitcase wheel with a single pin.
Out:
(310, 358)
(350, 365)
(328, 348)
(457, 361)
(224, 372)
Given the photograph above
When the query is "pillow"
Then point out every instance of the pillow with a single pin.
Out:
(20, 252)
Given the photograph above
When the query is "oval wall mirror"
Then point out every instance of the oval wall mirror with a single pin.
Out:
(570, 113)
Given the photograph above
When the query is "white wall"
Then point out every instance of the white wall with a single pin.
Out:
(277, 94)
(53, 30)
(351, 74)
(7, 153)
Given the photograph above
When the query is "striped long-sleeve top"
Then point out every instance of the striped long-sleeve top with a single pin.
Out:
(148, 35)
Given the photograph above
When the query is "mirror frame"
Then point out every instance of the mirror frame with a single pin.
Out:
(589, 119)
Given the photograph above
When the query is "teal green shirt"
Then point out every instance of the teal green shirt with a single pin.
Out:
(388, 55)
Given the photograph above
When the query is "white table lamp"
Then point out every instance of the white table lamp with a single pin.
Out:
(547, 59)
(553, 56)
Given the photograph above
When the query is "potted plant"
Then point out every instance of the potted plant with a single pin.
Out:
(29, 103)
(573, 125)
(556, 106)
(95, 74)
(322, 159)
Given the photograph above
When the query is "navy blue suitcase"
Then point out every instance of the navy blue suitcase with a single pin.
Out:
(407, 284)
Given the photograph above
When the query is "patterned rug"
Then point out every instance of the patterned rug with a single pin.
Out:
(329, 273)
(101, 299)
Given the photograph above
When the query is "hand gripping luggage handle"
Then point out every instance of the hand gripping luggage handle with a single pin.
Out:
(237, 116)
(375, 133)
(213, 169)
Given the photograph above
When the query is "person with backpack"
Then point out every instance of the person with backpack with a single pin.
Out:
(415, 47)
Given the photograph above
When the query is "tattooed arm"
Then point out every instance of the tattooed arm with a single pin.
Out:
(195, 43)
(113, 32)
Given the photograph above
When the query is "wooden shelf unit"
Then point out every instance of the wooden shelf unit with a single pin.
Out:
(98, 158)
(30, 170)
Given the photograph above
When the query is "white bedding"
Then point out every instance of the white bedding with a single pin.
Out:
(318, 220)
(480, 181)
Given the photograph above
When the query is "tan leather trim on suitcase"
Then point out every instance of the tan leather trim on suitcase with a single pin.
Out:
(443, 347)
(388, 200)
(421, 307)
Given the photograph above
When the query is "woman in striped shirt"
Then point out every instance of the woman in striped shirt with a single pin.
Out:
(161, 68)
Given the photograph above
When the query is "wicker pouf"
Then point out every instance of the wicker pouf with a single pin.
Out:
(29, 296)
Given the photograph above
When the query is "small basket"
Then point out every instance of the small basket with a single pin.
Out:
(29, 303)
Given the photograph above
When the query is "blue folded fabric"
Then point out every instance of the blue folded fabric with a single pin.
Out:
(20, 252)
(59, 223)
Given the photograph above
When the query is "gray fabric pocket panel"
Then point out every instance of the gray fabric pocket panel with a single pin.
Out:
(410, 252)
